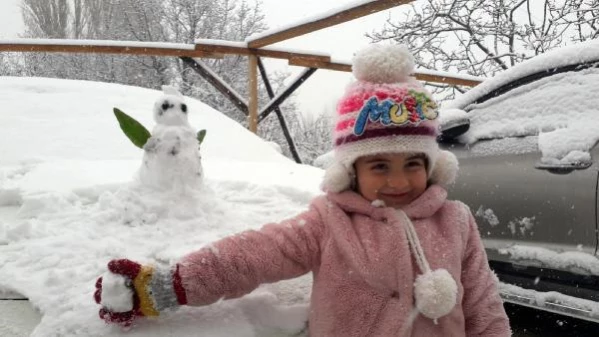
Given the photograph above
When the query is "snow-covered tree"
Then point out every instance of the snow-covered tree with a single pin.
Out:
(46, 18)
(5, 65)
(62, 19)
(314, 136)
(483, 37)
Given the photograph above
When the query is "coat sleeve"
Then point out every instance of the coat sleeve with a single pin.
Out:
(236, 265)
(483, 308)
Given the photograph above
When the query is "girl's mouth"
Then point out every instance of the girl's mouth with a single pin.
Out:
(394, 195)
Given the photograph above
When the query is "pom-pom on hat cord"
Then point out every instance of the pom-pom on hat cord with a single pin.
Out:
(435, 291)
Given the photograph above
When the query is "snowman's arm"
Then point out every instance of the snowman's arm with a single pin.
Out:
(151, 145)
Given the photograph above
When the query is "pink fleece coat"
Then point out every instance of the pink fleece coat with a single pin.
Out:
(363, 269)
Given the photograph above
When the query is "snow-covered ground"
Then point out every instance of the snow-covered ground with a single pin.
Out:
(69, 204)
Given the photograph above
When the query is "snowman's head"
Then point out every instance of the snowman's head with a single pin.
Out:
(170, 109)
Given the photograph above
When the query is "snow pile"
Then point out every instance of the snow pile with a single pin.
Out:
(117, 296)
(575, 262)
(522, 226)
(74, 119)
(488, 215)
(561, 110)
(550, 300)
(68, 205)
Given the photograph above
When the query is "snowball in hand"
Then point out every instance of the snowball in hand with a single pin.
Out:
(116, 295)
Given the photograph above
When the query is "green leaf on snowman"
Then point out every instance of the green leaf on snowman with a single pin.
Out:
(201, 135)
(136, 132)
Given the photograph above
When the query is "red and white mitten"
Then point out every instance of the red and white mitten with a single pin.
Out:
(130, 290)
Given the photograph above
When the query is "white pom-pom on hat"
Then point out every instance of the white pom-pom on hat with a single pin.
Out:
(336, 178)
(383, 64)
(445, 169)
(436, 293)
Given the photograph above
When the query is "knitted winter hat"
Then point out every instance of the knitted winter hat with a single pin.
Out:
(384, 111)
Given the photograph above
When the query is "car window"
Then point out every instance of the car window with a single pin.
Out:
(504, 146)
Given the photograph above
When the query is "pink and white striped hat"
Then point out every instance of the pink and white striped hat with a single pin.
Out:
(385, 111)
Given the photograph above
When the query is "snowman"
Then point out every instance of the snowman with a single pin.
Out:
(171, 158)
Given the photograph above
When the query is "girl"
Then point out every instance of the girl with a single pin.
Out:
(390, 255)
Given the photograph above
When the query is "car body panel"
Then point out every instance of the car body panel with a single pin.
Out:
(516, 203)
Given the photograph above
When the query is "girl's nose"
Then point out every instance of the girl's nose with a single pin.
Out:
(397, 180)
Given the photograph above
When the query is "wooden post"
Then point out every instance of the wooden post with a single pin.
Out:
(279, 113)
(253, 90)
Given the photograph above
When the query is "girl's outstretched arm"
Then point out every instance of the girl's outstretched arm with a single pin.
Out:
(483, 308)
(236, 265)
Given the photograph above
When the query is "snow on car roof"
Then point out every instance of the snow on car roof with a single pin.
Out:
(570, 55)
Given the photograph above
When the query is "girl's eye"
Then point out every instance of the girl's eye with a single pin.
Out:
(379, 167)
(415, 163)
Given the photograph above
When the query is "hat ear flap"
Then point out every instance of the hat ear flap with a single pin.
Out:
(445, 169)
(336, 178)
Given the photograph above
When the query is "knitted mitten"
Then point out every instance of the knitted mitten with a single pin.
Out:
(135, 290)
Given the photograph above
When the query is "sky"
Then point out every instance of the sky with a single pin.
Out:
(320, 92)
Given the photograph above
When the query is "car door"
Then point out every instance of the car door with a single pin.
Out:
(516, 203)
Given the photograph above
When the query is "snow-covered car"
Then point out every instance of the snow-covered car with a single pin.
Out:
(526, 142)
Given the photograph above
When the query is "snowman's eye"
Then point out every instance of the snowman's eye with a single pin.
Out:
(184, 108)
(165, 105)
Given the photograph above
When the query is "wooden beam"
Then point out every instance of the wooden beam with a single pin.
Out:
(336, 18)
(253, 90)
(447, 80)
(217, 82)
(270, 53)
(208, 50)
(435, 78)
(275, 102)
(321, 65)
(101, 49)
(284, 128)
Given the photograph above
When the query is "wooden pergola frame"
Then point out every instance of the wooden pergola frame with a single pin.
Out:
(254, 49)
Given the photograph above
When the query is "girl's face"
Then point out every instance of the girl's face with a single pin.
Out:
(395, 178)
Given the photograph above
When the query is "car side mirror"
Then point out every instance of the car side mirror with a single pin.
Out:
(454, 123)
(563, 168)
